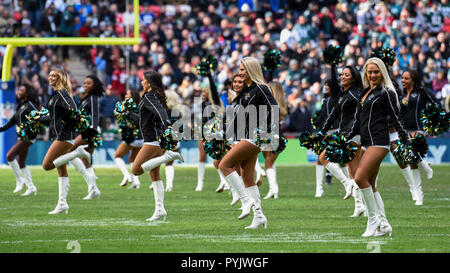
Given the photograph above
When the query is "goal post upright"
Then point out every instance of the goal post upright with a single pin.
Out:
(12, 43)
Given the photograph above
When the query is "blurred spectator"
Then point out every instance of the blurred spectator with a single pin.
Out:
(107, 104)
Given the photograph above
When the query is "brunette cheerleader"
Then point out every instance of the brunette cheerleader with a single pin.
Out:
(153, 120)
(131, 143)
(377, 100)
(344, 112)
(93, 90)
(255, 93)
(414, 100)
(27, 101)
(332, 92)
(60, 105)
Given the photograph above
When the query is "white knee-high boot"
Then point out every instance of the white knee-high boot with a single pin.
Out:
(360, 209)
(79, 152)
(158, 161)
(136, 184)
(373, 219)
(345, 171)
(407, 174)
(273, 186)
(123, 168)
(385, 227)
(19, 178)
(339, 174)
(426, 168)
(222, 184)
(319, 180)
(89, 177)
(259, 172)
(418, 186)
(170, 173)
(258, 215)
(200, 176)
(28, 180)
(237, 184)
(158, 191)
(63, 190)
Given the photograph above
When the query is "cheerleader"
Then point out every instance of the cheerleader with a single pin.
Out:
(173, 100)
(414, 100)
(332, 92)
(377, 100)
(344, 112)
(132, 142)
(237, 86)
(60, 106)
(210, 97)
(93, 90)
(27, 101)
(278, 93)
(153, 120)
(255, 93)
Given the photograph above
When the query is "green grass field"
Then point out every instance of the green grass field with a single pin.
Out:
(204, 222)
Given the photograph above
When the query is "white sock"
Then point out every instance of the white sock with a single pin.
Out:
(407, 174)
(63, 188)
(369, 200)
(158, 191)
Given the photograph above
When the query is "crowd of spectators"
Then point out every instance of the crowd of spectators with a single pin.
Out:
(176, 37)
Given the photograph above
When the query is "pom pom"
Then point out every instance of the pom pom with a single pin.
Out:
(167, 141)
(315, 120)
(270, 140)
(30, 128)
(127, 132)
(216, 148)
(204, 68)
(338, 150)
(311, 142)
(272, 60)
(333, 55)
(434, 120)
(77, 120)
(93, 138)
(386, 54)
(122, 107)
(412, 153)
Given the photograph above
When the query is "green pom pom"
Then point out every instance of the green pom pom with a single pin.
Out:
(272, 60)
(386, 54)
(435, 120)
(205, 67)
(333, 55)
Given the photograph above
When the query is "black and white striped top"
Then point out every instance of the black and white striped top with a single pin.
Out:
(372, 122)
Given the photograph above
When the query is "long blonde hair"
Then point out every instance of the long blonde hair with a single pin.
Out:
(278, 93)
(63, 81)
(173, 99)
(254, 70)
(386, 82)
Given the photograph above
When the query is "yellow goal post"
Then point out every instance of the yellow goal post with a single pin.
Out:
(12, 43)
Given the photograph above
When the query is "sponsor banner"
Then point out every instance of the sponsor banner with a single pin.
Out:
(293, 154)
